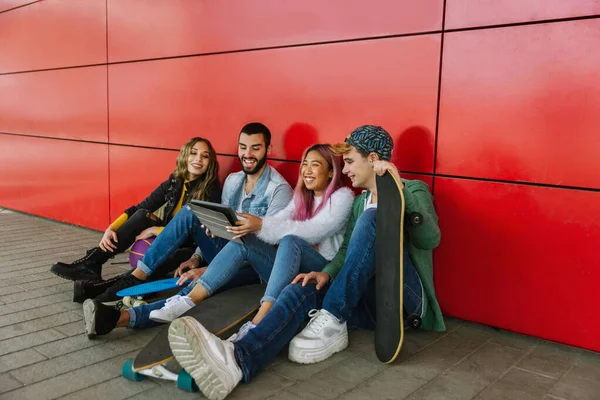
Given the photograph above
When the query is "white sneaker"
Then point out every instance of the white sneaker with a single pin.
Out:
(236, 337)
(324, 336)
(173, 308)
(208, 359)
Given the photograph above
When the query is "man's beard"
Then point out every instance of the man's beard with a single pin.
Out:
(259, 164)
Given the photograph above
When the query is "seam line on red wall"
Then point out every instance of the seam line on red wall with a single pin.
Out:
(136, 146)
(21, 6)
(312, 44)
(107, 114)
(439, 97)
(435, 176)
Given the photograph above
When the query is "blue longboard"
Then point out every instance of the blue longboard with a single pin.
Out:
(152, 287)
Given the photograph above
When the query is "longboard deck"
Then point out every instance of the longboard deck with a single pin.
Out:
(389, 251)
(221, 314)
(151, 287)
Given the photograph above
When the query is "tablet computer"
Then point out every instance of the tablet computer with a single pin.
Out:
(216, 217)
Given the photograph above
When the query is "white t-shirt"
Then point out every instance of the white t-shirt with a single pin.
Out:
(368, 202)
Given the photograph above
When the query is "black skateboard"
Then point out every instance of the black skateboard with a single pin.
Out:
(389, 260)
(222, 314)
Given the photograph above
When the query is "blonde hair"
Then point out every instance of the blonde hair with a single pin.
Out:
(341, 148)
(201, 192)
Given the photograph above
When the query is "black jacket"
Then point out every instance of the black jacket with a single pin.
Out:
(169, 192)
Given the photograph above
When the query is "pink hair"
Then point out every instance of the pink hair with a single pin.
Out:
(304, 198)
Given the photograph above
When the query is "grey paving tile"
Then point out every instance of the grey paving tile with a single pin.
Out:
(392, 383)
(337, 379)
(515, 340)
(35, 313)
(80, 359)
(50, 321)
(9, 290)
(79, 342)
(549, 359)
(518, 384)
(581, 382)
(469, 377)
(15, 274)
(444, 353)
(70, 382)
(263, 386)
(26, 341)
(74, 328)
(8, 383)
(12, 361)
(55, 280)
(34, 303)
(23, 295)
(113, 389)
(300, 372)
(163, 392)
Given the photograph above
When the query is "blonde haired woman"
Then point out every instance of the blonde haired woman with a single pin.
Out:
(196, 176)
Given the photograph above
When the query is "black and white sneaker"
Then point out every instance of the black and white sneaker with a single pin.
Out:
(99, 319)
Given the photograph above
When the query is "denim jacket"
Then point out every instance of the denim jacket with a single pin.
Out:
(271, 194)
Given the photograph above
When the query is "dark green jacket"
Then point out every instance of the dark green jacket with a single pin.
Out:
(420, 241)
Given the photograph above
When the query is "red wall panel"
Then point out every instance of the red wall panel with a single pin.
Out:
(58, 179)
(141, 29)
(467, 13)
(53, 33)
(135, 173)
(520, 258)
(69, 103)
(521, 104)
(336, 87)
(9, 4)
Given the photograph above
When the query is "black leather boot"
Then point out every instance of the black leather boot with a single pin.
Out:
(86, 268)
(83, 290)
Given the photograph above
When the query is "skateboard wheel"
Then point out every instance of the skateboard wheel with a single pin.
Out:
(414, 321)
(127, 301)
(416, 219)
(186, 382)
(128, 372)
(138, 303)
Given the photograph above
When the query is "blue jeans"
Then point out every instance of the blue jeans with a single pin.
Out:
(182, 227)
(276, 265)
(294, 256)
(350, 297)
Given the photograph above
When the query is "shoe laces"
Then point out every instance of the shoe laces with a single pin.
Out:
(318, 320)
(124, 282)
(173, 302)
(88, 254)
(242, 332)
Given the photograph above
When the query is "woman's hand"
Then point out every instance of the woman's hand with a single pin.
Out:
(250, 224)
(147, 233)
(106, 244)
(207, 231)
(322, 278)
(192, 263)
(192, 274)
(381, 166)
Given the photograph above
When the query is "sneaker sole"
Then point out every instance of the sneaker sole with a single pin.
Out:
(89, 317)
(193, 355)
(310, 356)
